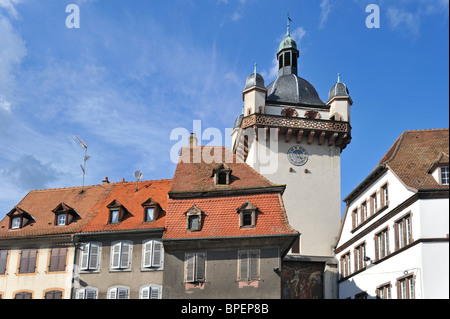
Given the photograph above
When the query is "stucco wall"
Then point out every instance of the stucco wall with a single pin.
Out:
(222, 276)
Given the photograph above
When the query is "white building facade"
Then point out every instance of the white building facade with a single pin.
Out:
(394, 238)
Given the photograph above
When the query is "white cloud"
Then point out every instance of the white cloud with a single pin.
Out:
(325, 10)
(12, 51)
(400, 17)
(9, 6)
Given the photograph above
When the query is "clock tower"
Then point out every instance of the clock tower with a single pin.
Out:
(290, 136)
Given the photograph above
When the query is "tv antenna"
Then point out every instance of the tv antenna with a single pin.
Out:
(86, 157)
(138, 175)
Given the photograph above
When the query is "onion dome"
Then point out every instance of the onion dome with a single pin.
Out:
(255, 79)
(292, 89)
(338, 90)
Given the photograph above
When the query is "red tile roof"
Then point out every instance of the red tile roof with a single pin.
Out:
(125, 194)
(221, 218)
(90, 205)
(194, 171)
(412, 154)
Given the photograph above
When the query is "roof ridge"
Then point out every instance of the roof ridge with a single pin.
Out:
(428, 129)
(97, 185)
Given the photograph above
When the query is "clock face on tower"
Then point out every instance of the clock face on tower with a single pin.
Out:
(297, 155)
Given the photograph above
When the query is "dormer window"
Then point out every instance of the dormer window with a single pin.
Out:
(15, 222)
(117, 212)
(149, 214)
(439, 169)
(64, 215)
(194, 219)
(114, 216)
(151, 210)
(221, 175)
(19, 218)
(247, 215)
(61, 220)
(444, 175)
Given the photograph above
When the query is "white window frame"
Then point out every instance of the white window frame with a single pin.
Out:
(150, 292)
(90, 255)
(194, 262)
(121, 255)
(150, 214)
(87, 293)
(15, 222)
(118, 292)
(444, 173)
(383, 243)
(61, 220)
(249, 265)
(114, 216)
(364, 211)
(152, 254)
(384, 292)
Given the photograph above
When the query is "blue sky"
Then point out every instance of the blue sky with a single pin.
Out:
(137, 69)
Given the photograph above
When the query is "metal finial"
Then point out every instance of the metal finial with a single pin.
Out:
(255, 68)
(339, 78)
(288, 25)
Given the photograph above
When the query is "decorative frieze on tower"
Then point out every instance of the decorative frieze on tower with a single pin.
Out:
(305, 136)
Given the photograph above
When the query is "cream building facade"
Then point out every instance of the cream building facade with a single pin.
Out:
(290, 136)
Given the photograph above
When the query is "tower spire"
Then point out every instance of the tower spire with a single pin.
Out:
(288, 33)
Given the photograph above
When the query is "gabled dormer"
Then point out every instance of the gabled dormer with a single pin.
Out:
(117, 212)
(19, 218)
(222, 175)
(439, 169)
(65, 215)
(151, 210)
(247, 215)
(194, 219)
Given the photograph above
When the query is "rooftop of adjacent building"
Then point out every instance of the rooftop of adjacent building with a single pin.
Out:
(89, 203)
(410, 158)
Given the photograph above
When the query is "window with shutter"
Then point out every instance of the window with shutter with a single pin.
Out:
(23, 295)
(155, 293)
(57, 259)
(121, 255)
(152, 254)
(118, 293)
(27, 261)
(90, 256)
(87, 293)
(3, 259)
(53, 294)
(157, 254)
(190, 264)
(147, 253)
(249, 265)
(195, 270)
(126, 255)
(150, 292)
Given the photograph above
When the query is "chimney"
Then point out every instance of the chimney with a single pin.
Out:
(193, 140)
(106, 181)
